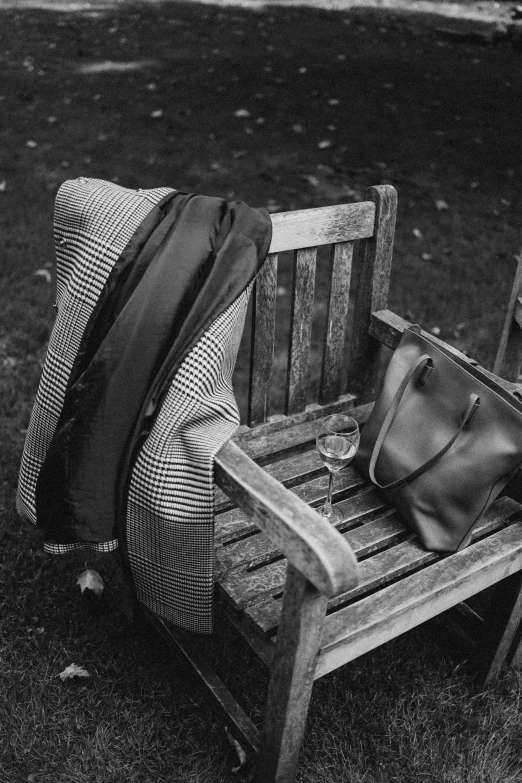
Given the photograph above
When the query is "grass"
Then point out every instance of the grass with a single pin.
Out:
(436, 117)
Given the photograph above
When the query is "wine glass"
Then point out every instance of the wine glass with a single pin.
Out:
(337, 439)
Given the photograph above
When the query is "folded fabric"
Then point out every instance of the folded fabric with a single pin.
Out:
(148, 398)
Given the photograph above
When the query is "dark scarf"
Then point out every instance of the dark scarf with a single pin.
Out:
(186, 263)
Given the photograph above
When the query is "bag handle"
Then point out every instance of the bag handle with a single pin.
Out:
(468, 413)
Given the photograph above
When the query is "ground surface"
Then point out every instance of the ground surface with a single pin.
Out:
(285, 107)
(290, 107)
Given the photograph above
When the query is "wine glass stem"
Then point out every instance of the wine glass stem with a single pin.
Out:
(328, 505)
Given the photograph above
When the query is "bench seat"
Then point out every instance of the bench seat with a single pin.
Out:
(398, 578)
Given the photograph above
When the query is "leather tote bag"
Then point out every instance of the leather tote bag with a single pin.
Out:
(441, 443)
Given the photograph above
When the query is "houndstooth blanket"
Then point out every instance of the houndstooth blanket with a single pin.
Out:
(169, 500)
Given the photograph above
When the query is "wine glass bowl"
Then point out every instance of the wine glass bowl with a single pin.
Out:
(337, 440)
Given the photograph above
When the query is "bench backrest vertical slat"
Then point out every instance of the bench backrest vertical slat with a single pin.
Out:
(338, 300)
(303, 290)
(262, 340)
(372, 280)
(508, 361)
(371, 222)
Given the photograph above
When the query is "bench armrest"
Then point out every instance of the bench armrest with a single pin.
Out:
(309, 542)
(387, 327)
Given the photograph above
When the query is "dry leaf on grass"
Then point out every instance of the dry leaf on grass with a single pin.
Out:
(91, 580)
(242, 757)
(73, 671)
(44, 273)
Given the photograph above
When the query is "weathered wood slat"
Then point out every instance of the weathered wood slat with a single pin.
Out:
(372, 536)
(501, 624)
(274, 444)
(338, 300)
(316, 549)
(378, 570)
(258, 549)
(387, 613)
(238, 722)
(245, 588)
(508, 360)
(231, 524)
(262, 644)
(303, 289)
(517, 315)
(290, 472)
(321, 226)
(263, 340)
(279, 422)
(372, 277)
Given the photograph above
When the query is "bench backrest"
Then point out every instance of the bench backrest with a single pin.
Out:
(372, 223)
(508, 361)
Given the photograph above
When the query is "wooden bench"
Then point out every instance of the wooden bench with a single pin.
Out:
(306, 596)
(508, 361)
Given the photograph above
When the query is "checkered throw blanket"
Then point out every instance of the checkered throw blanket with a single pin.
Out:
(169, 503)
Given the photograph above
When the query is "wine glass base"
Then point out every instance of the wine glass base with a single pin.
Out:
(334, 515)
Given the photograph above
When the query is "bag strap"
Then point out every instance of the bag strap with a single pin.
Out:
(468, 413)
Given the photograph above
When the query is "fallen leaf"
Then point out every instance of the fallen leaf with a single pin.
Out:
(303, 69)
(91, 580)
(441, 204)
(435, 330)
(151, 86)
(242, 113)
(427, 257)
(324, 144)
(52, 120)
(31, 144)
(157, 113)
(417, 233)
(312, 180)
(73, 671)
(333, 102)
(242, 757)
(3, 186)
(298, 128)
(44, 273)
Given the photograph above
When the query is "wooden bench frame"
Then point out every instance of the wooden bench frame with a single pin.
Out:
(508, 361)
(321, 563)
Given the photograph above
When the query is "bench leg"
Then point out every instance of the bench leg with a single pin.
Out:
(516, 661)
(291, 679)
(500, 627)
